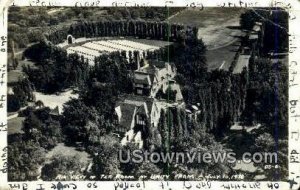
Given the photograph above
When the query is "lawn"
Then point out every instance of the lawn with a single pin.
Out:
(53, 100)
(15, 125)
(219, 30)
(217, 26)
(14, 76)
(205, 17)
(62, 149)
(221, 58)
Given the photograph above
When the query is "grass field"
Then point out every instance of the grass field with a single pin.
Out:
(62, 149)
(205, 17)
(53, 100)
(14, 76)
(217, 26)
(15, 125)
(219, 30)
(221, 58)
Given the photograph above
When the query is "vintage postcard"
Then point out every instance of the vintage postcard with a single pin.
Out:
(149, 95)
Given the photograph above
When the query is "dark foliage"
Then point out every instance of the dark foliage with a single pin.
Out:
(55, 69)
(275, 24)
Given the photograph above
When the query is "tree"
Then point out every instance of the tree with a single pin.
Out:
(75, 117)
(13, 103)
(105, 157)
(248, 20)
(25, 158)
(32, 127)
(199, 141)
(265, 143)
(146, 168)
(39, 104)
(67, 166)
(39, 127)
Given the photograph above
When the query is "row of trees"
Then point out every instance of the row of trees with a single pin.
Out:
(178, 132)
(136, 28)
(267, 96)
(31, 24)
(220, 96)
(145, 13)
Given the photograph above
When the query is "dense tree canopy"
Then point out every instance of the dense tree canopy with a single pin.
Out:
(56, 70)
(66, 166)
(25, 157)
(275, 23)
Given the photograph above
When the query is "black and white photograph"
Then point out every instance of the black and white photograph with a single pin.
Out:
(147, 93)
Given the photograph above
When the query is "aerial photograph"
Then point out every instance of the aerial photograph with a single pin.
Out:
(147, 93)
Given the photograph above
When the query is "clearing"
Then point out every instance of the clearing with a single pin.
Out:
(53, 100)
(217, 26)
(62, 149)
(222, 58)
(219, 30)
(14, 126)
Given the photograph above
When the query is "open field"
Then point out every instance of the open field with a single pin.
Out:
(80, 41)
(14, 76)
(64, 150)
(53, 100)
(219, 30)
(217, 26)
(222, 58)
(201, 18)
(15, 125)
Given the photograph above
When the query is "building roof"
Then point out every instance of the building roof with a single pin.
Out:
(157, 64)
(242, 62)
(253, 36)
(154, 66)
(129, 103)
(142, 78)
(127, 111)
(256, 28)
(138, 100)
(141, 110)
(55, 111)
